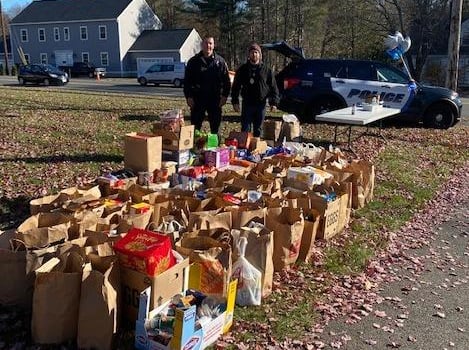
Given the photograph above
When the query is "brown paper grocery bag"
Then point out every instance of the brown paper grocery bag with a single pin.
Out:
(160, 209)
(287, 224)
(363, 182)
(43, 229)
(243, 215)
(17, 290)
(98, 311)
(48, 203)
(90, 191)
(221, 178)
(312, 219)
(209, 220)
(139, 194)
(211, 263)
(19, 264)
(56, 300)
(259, 252)
(81, 222)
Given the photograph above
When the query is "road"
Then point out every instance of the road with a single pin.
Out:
(108, 85)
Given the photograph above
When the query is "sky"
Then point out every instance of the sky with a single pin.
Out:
(8, 4)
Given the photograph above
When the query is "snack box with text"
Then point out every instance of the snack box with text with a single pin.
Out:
(217, 158)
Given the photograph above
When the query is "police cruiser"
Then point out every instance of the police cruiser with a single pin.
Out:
(310, 87)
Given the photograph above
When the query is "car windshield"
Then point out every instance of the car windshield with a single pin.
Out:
(50, 68)
(392, 75)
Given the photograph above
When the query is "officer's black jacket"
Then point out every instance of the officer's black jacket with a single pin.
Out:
(206, 77)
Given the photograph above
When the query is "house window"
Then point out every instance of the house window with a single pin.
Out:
(66, 34)
(104, 59)
(83, 33)
(85, 57)
(26, 57)
(24, 35)
(41, 34)
(102, 32)
(56, 34)
(43, 58)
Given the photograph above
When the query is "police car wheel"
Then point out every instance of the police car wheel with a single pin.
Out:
(142, 81)
(439, 116)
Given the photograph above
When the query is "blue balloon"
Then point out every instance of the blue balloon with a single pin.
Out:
(395, 53)
(412, 86)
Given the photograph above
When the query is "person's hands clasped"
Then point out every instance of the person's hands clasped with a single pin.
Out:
(222, 101)
(236, 107)
(190, 102)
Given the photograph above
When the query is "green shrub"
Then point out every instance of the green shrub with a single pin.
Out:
(14, 70)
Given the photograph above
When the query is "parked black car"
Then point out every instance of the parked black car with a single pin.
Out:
(310, 87)
(41, 74)
(84, 69)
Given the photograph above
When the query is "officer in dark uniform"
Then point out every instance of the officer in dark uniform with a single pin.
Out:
(206, 86)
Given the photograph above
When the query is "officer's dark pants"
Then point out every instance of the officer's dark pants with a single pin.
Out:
(213, 110)
(252, 114)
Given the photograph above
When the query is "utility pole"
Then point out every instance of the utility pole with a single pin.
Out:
(5, 48)
(453, 45)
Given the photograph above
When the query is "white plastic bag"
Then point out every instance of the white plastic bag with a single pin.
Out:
(249, 278)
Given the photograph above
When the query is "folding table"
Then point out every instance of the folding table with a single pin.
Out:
(360, 117)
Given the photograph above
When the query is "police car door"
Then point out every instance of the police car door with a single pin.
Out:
(356, 80)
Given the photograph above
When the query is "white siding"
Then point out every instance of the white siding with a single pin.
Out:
(136, 18)
(191, 46)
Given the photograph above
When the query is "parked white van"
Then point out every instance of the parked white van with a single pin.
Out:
(163, 73)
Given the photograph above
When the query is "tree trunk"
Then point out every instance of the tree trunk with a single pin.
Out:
(453, 45)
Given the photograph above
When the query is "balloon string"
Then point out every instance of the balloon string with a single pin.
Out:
(405, 66)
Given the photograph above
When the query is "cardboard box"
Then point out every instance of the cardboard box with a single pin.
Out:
(176, 141)
(185, 335)
(218, 158)
(182, 158)
(163, 287)
(142, 152)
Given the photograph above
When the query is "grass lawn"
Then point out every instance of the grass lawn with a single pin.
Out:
(52, 139)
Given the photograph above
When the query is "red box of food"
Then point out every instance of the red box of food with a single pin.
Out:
(145, 251)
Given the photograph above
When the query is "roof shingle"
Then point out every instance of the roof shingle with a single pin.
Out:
(152, 40)
(70, 10)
